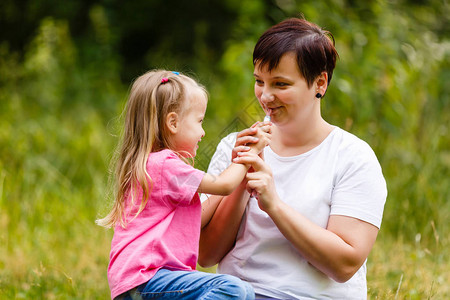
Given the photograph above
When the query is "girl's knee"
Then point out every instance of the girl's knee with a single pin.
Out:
(235, 288)
(250, 292)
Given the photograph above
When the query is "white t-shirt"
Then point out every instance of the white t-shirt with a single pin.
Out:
(341, 176)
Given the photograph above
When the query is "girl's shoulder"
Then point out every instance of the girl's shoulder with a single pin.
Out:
(163, 154)
(157, 159)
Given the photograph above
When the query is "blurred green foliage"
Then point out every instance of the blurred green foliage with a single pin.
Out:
(65, 69)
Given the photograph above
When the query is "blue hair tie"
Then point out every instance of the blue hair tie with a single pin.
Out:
(176, 73)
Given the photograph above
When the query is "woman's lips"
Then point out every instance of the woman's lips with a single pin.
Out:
(271, 110)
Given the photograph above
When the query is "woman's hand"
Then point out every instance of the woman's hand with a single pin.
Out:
(260, 182)
(264, 135)
(258, 135)
(243, 139)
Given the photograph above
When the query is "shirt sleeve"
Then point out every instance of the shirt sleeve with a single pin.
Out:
(221, 159)
(360, 188)
(180, 180)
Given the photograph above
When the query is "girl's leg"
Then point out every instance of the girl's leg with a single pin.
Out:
(194, 285)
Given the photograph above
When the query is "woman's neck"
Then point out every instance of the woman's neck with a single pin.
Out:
(297, 138)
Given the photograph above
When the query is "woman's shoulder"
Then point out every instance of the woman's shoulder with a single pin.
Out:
(348, 140)
(228, 141)
(353, 147)
(226, 144)
(221, 158)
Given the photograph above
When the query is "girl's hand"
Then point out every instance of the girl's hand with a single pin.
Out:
(260, 182)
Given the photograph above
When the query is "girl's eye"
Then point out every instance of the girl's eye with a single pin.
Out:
(259, 82)
(282, 84)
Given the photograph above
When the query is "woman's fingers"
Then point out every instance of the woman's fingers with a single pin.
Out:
(251, 191)
(267, 128)
(258, 136)
(248, 135)
(248, 131)
(246, 157)
(246, 140)
(252, 159)
(259, 124)
(253, 176)
(238, 149)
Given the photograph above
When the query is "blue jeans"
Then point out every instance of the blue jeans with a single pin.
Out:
(168, 284)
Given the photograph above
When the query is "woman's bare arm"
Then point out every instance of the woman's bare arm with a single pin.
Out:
(218, 236)
(221, 216)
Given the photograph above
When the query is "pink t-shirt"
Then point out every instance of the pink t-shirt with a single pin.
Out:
(166, 233)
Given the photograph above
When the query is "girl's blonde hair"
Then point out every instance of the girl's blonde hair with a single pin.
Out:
(152, 97)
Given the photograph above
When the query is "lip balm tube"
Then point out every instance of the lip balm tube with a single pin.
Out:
(267, 118)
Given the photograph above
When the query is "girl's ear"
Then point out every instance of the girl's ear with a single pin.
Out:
(172, 122)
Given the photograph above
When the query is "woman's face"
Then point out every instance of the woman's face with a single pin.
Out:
(283, 93)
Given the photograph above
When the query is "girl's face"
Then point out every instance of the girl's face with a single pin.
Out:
(190, 130)
(283, 93)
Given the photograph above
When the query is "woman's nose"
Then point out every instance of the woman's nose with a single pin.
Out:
(267, 97)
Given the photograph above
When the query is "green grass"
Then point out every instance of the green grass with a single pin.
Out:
(408, 269)
(72, 263)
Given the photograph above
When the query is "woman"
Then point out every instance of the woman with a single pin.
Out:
(318, 192)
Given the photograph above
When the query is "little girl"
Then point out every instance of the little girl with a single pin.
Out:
(157, 211)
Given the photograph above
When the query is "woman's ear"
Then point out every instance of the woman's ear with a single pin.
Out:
(172, 121)
(322, 83)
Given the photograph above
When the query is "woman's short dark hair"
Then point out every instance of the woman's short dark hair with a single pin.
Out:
(313, 46)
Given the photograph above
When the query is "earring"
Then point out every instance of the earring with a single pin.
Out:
(319, 95)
